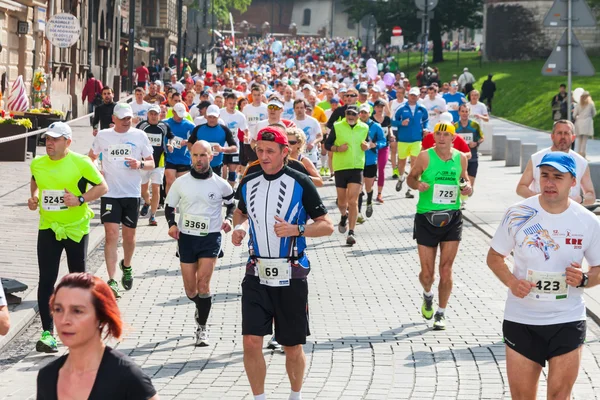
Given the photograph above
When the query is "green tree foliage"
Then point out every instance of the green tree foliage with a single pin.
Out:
(448, 15)
(222, 7)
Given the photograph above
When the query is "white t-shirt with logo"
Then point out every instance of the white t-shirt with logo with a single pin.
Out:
(432, 106)
(581, 165)
(140, 110)
(544, 246)
(311, 127)
(254, 114)
(288, 110)
(2, 297)
(122, 181)
(234, 121)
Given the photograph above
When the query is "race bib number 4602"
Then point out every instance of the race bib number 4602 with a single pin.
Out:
(445, 194)
(53, 200)
(118, 152)
(195, 225)
(274, 272)
(549, 286)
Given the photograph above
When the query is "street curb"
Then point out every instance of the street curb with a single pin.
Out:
(24, 313)
(521, 125)
(592, 305)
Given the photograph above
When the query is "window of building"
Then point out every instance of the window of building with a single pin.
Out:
(306, 17)
(351, 24)
(149, 12)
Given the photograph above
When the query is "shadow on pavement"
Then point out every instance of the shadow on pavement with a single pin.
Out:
(421, 359)
(388, 251)
(216, 298)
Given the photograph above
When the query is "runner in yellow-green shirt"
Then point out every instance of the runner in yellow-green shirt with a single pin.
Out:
(59, 182)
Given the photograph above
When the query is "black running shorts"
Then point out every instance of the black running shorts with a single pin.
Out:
(178, 167)
(472, 167)
(346, 176)
(431, 236)
(287, 305)
(120, 211)
(217, 170)
(192, 248)
(542, 342)
(370, 171)
(231, 159)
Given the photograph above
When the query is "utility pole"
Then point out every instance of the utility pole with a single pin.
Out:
(179, 36)
(90, 36)
(131, 44)
(569, 57)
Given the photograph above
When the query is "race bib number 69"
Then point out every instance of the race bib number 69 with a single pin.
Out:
(274, 272)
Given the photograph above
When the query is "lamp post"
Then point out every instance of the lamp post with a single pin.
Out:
(131, 20)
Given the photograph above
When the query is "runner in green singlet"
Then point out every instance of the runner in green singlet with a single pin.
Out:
(440, 176)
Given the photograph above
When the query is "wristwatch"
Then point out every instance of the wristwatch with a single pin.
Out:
(584, 281)
(301, 230)
(81, 200)
(142, 164)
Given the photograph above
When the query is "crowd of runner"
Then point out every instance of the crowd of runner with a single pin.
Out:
(244, 150)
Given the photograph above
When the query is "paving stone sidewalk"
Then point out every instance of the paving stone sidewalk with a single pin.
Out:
(368, 338)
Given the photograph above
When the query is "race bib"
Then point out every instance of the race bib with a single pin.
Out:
(195, 225)
(212, 146)
(453, 105)
(155, 139)
(549, 286)
(118, 152)
(274, 272)
(467, 136)
(235, 158)
(177, 142)
(53, 200)
(445, 194)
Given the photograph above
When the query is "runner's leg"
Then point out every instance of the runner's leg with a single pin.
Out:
(448, 252)
(76, 254)
(427, 259)
(155, 198)
(295, 365)
(562, 374)
(342, 200)
(49, 251)
(111, 231)
(145, 193)
(170, 176)
(382, 157)
(254, 363)
(128, 245)
(353, 192)
(523, 375)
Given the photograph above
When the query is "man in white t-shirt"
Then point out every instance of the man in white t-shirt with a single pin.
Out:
(288, 103)
(254, 112)
(545, 316)
(125, 151)
(234, 120)
(398, 102)
(311, 128)
(563, 135)
(4, 317)
(435, 106)
(139, 106)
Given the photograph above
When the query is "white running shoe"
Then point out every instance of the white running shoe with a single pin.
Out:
(202, 336)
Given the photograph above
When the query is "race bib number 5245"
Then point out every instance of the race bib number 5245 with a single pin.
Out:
(53, 200)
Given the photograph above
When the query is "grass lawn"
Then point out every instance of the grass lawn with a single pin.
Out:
(522, 95)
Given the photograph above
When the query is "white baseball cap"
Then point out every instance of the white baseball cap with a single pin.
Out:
(446, 118)
(122, 110)
(306, 86)
(415, 91)
(180, 110)
(213, 111)
(155, 108)
(364, 107)
(58, 129)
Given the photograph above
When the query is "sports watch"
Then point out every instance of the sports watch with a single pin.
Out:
(584, 281)
(301, 230)
(81, 200)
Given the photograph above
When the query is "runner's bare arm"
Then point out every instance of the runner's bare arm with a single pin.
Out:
(523, 186)
(4, 320)
(589, 194)
(416, 171)
(495, 262)
(464, 163)
(593, 276)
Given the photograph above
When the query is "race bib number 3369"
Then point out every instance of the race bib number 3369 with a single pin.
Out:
(195, 225)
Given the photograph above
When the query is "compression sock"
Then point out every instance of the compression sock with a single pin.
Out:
(231, 176)
(369, 197)
(295, 396)
(203, 304)
(360, 201)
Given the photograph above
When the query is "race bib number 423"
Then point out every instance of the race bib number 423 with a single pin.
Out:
(274, 272)
(549, 286)
(445, 194)
(118, 152)
(53, 200)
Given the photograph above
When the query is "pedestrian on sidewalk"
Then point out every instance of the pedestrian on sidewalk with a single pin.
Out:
(58, 188)
(563, 135)
(488, 88)
(545, 315)
(440, 176)
(584, 114)
(103, 113)
(87, 314)
(92, 92)
(4, 316)
(559, 103)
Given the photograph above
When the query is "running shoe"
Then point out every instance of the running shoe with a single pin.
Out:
(395, 174)
(273, 344)
(144, 210)
(379, 198)
(369, 210)
(152, 221)
(463, 205)
(409, 195)
(202, 336)
(360, 219)
(46, 344)
(427, 307)
(343, 224)
(114, 286)
(399, 184)
(322, 171)
(327, 172)
(332, 178)
(351, 240)
(127, 279)
(439, 322)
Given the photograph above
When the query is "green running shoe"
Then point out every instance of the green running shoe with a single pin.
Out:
(127, 279)
(114, 286)
(427, 307)
(439, 323)
(47, 343)
(360, 219)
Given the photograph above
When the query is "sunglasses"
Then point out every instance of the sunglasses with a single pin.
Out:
(351, 113)
(273, 107)
(351, 95)
(292, 142)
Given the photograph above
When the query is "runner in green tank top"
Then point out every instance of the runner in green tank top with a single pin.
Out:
(440, 176)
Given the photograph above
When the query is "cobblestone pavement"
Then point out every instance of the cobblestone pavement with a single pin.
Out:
(368, 338)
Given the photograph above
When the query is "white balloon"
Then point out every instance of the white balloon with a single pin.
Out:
(446, 118)
(577, 94)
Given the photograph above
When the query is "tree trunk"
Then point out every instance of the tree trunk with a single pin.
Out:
(436, 37)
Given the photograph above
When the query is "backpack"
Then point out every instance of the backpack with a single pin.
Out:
(98, 97)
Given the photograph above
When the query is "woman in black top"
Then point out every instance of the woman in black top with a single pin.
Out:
(84, 307)
(383, 153)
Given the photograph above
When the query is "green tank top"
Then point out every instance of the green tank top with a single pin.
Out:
(443, 178)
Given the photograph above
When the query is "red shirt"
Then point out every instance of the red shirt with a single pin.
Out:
(142, 74)
(458, 143)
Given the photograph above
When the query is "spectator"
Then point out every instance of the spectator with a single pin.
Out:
(104, 112)
(4, 317)
(487, 91)
(559, 104)
(92, 92)
(466, 81)
(584, 114)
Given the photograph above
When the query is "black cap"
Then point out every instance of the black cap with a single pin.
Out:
(363, 91)
(379, 102)
(352, 108)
